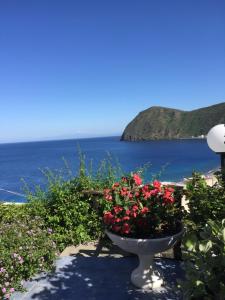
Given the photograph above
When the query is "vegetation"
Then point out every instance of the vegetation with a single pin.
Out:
(32, 235)
(204, 242)
(166, 123)
(70, 212)
(26, 247)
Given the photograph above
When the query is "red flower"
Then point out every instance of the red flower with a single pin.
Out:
(144, 210)
(134, 214)
(147, 195)
(137, 179)
(145, 188)
(134, 211)
(142, 223)
(117, 220)
(135, 208)
(115, 185)
(168, 197)
(170, 189)
(126, 228)
(155, 191)
(124, 179)
(157, 184)
(117, 209)
(123, 191)
(108, 218)
(128, 212)
(129, 194)
(126, 218)
(116, 228)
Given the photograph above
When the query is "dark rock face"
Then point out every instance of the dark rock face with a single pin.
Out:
(166, 123)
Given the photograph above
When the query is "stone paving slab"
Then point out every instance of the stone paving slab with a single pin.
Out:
(99, 278)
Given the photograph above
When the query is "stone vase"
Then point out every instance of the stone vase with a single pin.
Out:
(145, 276)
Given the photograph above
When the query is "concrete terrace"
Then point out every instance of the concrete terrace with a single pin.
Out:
(85, 273)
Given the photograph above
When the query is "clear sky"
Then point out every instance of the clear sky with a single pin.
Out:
(86, 68)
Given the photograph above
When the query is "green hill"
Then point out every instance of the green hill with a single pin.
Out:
(166, 123)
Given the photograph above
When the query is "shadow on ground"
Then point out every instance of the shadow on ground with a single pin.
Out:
(100, 278)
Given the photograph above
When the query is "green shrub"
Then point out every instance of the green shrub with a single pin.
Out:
(204, 202)
(66, 208)
(71, 215)
(26, 247)
(203, 243)
(205, 263)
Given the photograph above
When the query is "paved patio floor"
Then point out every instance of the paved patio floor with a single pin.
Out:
(99, 278)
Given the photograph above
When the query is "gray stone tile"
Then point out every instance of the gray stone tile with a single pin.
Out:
(99, 278)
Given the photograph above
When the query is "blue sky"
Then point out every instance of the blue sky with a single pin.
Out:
(86, 68)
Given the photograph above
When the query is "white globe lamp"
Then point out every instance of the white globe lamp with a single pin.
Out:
(216, 142)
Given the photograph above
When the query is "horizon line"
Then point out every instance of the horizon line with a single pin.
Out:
(57, 139)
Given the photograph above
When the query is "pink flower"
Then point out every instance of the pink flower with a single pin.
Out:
(4, 290)
(137, 179)
(7, 296)
(107, 194)
(108, 197)
(12, 290)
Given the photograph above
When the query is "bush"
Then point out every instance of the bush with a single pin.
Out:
(66, 208)
(203, 243)
(204, 202)
(26, 247)
(70, 214)
(205, 263)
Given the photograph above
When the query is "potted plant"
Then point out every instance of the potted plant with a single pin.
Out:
(144, 220)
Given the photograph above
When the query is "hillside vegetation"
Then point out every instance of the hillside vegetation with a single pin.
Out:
(167, 123)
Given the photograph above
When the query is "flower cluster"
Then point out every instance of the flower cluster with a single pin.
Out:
(136, 210)
(6, 289)
(26, 247)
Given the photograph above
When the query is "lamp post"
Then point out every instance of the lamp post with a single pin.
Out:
(216, 142)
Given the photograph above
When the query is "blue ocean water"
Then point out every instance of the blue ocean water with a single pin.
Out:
(24, 160)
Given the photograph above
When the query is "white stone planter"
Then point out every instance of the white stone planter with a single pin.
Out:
(144, 276)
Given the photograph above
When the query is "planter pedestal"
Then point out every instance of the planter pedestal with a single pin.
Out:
(145, 276)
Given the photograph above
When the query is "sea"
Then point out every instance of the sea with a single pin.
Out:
(23, 164)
